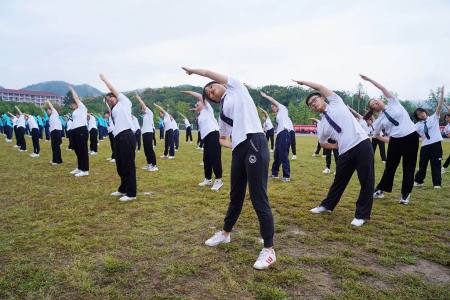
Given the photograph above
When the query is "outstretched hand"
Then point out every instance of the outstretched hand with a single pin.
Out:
(188, 70)
(298, 81)
(364, 77)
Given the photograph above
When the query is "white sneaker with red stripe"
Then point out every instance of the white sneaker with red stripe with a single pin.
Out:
(265, 259)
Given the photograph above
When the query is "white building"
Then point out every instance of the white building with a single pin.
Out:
(25, 96)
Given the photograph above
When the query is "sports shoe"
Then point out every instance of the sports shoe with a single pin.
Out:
(15, 146)
(93, 153)
(205, 182)
(383, 161)
(55, 164)
(113, 160)
(274, 177)
(34, 155)
(294, 157)
(109, 159)
(153, 169)
(378, 194)
(358, 222)
(418, 184)
(218, 238)
(82, 173)
(146, 167)
(20, 150)
(73, 172)
(326, 171)
(271, 151)
(217, 185)
(404, 201)
(126, 198)
(314, 155)
(117, 194)
(164, 156)
(265, 259)
(437, 186)
(285, 179)
(319, 209)
(171, 157)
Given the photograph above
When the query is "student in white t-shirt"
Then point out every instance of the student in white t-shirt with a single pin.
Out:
(125, 142)
(169, 146)
(112, 143)
(355, 151)
(402, 138)
(188, 127)
(137, 132)
(93, 134)
(32, 123)
(148, 134)
(209, 133)
(431, 148)
(250, 158)
(283, 140)
(447, 134)
(268, 128)
(55, 128)
(20, 131)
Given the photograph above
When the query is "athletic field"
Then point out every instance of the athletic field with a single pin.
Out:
(65, 237)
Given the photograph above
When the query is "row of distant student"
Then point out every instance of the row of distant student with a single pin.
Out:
(239, 128)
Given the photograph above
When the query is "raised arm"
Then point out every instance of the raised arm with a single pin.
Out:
(141, 102)
(75, 95)
(385, 92)
(18, 110)
(10, 114)
(314, 119)
(182, 115)
(264, 111)
(196, 95)
(160, 108)
(109, 108)
(318, 87)
(354, 112)
(109, 85)
(50, 105)
(440, 103)
(220, 78)
(273, 101)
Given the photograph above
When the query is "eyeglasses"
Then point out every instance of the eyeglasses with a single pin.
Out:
(312, 100)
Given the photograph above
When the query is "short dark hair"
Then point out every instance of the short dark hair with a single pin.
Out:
(110, 95)
(205, 97)
(312, 95)
(368, 115)
(417, 111)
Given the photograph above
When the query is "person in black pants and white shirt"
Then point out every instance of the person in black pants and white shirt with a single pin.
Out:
(112, 145)
(79, 135)
(209, 131)
(403, 142)
(148, 134)
(55, 128)
(293, 141)
(250, 158)
(447, 134)
(283, 140)
(327, 152)
(188, 127)
(431, 149)
(93, 134)
(20, 131)
(268, 128)
(137, 132)
(169, 148)
(125, 141)
(355, 151)
(32, 123)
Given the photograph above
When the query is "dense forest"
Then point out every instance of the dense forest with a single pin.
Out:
(176, 102)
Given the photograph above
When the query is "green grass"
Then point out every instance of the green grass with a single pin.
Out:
(65, 237)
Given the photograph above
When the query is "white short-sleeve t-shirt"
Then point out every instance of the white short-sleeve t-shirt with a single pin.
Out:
(79, 116)
(207, 123)
(121, 114)
(396, 110)
(434, 130)
(148, 124)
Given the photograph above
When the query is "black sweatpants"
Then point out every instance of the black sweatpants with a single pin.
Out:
(269, 136)
(249, 164)
(93, 138)
(169, 143)
(176, 138)
(318, 149)
(376, 142)
(327, 153)
(147, 139)
(9, 132)
(212, 155)
(125, 164)
(359, 158)
(112, 144)
(56, 140)
(137, 135)
(20, 136)
(433, 154)
(281, 155)
(199, 140)
(79, 137)
(35, 139)
(188, 134)
(70, 137)
(161, 133)
(293, 142)
(447, 162)
(405, 147)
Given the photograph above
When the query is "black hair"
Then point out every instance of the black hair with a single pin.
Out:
(368, 115)
(417, 111)
(110, 95)
(205, 97)
(312, 95)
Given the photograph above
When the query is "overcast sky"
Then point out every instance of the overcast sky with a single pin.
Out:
(403, 44)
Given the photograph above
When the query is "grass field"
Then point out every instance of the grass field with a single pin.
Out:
(65, 237)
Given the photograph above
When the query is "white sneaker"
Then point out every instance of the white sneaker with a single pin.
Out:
(378, 194)
(319, 209)
(404, 201)
(55, 164)
(326, 171)
(217, 185)
(358, 222)
(126, 198)
(20, 150)
(117, 194)
(163, 157)
(171, 157)
(73, 172)
(217, 238)
(113, 160)
(109, 159)
(437, 186)
(294, 157)
(271, 151)
(274, 177)
(153, 169)
(285, 179)
(147, 167)
(34, 155)
(314, 155)
(205, 182)
(384, 162)
(265, 259)
(418, 184)
(93, 153)
(15, 146)
(82, 173)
